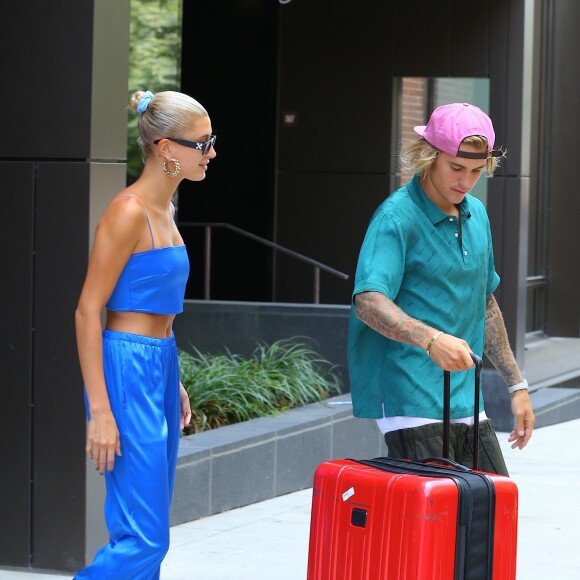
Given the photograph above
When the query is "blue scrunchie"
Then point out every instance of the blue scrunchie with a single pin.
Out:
(144, 102)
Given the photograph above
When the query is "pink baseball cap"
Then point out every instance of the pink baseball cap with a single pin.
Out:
(450, 124)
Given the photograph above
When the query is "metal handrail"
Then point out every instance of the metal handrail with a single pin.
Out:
(536, 281)
(207, 256)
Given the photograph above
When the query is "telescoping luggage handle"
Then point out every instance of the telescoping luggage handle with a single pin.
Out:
(447, 405)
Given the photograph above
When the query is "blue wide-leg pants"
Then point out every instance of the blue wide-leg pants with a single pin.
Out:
(142, 378)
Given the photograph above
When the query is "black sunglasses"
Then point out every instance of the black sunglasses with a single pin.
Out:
(204, 147)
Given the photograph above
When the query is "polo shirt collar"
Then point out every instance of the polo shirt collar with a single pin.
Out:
(432, 212)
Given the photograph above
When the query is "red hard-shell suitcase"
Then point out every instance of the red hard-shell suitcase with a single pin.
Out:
(389, 519)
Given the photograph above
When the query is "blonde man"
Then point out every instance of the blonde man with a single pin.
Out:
(423, 299)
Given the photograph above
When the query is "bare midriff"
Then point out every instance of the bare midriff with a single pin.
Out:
(153, 325)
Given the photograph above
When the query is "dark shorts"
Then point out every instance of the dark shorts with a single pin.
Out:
(427, 441)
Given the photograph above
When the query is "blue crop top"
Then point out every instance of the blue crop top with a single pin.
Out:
(152, 281)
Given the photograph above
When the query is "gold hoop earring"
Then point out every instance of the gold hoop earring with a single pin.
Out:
(177, 168)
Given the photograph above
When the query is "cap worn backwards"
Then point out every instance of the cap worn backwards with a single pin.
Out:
(450, 124)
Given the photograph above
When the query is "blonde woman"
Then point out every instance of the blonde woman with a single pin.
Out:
(137, 270)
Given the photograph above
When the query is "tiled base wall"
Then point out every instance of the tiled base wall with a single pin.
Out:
(249, 462)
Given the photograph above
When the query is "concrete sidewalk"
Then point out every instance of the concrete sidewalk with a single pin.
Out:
(270, 539)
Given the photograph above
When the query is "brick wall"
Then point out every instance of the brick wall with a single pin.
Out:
(413, 105)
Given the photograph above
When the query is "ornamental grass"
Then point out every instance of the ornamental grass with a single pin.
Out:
(229, 388)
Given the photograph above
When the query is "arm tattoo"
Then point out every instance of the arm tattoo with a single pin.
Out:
(497, 346)
(384, 316)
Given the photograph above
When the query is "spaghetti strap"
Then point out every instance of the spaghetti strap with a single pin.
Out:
(146, 216)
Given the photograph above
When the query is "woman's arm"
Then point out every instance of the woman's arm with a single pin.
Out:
(117, 235)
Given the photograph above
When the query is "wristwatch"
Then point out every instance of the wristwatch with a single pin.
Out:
(519, 387)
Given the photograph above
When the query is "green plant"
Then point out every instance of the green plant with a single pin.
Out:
(228, 388)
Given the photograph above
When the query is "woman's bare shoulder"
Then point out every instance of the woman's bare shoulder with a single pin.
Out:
(124, 218)
(125, 205)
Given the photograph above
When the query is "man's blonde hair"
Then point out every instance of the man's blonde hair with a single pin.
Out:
(419, 156)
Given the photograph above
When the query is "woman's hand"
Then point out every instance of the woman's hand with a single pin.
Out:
(185, 407)
(103, 441)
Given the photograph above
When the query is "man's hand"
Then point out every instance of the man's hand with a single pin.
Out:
(103, 441)
(451, 353)
(524, 419)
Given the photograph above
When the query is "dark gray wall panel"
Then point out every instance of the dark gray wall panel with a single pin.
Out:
(59, 420)
(61, 92)
(506, 75)
(508, 208)
(237, 85)
(450, 38)
(323, 327)
(498, 54)
(325, 216)
(423, 38)
(496, 213)
(335, 63)
(514, 262)
(509, 86)
(470, 38)
(50, 46)
(16, 244)
(508, 198)
(563, 147)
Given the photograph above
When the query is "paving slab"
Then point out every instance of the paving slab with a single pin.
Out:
(269, 539)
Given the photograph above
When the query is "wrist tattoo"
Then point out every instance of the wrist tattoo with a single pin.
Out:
(384, 316)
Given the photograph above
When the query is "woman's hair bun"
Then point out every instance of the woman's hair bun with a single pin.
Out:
(140, 101)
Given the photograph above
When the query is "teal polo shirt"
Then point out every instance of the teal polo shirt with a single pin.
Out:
(436, 272)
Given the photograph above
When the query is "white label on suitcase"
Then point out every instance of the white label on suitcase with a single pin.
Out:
(348, 493)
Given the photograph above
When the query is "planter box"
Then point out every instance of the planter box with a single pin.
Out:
(248, 462)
